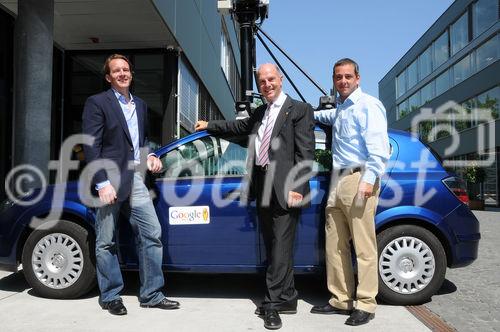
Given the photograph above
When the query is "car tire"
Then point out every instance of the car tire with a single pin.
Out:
(59, 262)
(412, 265)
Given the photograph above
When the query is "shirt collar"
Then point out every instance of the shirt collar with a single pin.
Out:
(121, 98)
(353, 97)
(280, 100)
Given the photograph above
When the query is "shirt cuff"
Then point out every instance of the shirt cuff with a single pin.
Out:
(152, 154)
(101, 185)
(369, 177)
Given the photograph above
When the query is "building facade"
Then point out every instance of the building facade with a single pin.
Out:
(446, 88)
(185, 55)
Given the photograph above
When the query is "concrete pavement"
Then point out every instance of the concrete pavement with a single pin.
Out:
(209, 303)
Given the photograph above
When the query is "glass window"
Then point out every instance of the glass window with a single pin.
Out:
(224, 53)
(403, 109)
(442, 82)
(401, 84)
(414, 101)
(412, 74)
(424, 130)
(322, 153)
(148, 85)
(462, 70)
(228, 64)
(484, 14)
(441, 51)
(427, 93)
(487, 53)
(469, 106)
(188, 97)
(459, 34)
(425, 63)
(207, 156)
(490, 100)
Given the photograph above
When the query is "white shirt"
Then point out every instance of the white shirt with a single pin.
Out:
(359, 134)
(270, 115)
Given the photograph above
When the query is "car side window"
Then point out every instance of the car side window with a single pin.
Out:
(207, 157)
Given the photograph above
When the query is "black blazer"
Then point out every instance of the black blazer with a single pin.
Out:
(103, 119)
(293, 135)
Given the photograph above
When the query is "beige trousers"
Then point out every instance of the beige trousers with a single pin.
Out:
(349, 218)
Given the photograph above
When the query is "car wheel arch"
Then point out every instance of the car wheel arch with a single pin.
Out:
(423, 224)
(66, 215)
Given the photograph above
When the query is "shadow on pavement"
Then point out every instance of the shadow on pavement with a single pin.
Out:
(312, 289)
(245, 286)
(448, 287)
(14, 282)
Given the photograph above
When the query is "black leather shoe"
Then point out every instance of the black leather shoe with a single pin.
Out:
(359, 317)
(115, 307)
(163, 304)
(272, 320)
(328, 309)
(260, 311)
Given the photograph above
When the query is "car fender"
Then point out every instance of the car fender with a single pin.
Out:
(417, 215)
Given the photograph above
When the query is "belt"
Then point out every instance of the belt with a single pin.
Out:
(349, 170)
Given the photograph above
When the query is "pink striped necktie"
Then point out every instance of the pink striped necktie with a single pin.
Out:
(266, 140)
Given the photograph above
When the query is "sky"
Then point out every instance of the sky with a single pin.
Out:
(316, 33)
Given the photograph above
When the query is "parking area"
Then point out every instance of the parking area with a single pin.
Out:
(209, 302)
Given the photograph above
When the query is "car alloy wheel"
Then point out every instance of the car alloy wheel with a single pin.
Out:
(57, 260)
(406, 265)
(412, 264)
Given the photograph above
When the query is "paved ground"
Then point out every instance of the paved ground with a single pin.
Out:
(209, 303)
(470, 297)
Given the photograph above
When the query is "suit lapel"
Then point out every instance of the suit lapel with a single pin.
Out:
(117, 111)
(282, 116)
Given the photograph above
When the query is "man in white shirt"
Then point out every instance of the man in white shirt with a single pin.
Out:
(360, 150)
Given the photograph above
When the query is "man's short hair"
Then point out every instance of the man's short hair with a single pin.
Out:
(105, 68)
(347, 61)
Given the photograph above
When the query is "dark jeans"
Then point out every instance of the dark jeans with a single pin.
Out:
(147, 229)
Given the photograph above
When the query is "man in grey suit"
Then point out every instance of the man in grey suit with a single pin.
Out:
(281, 138)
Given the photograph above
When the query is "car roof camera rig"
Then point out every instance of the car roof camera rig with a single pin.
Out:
(248, 13)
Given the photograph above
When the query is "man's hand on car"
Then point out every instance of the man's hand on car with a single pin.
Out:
(200, 125)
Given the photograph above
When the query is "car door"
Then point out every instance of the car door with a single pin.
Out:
(310, 237)
(205, 224)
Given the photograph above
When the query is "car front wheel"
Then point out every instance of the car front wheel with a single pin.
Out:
(412, 265)
(58, 262)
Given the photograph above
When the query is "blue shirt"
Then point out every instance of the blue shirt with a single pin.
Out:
(130, 114)
(360, 137)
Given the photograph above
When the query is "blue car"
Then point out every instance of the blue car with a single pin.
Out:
(423, 222)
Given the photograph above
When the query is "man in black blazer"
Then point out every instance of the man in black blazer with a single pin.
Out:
(280, 154)
(117, 122)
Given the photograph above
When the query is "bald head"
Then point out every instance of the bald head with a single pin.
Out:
(270, 81)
